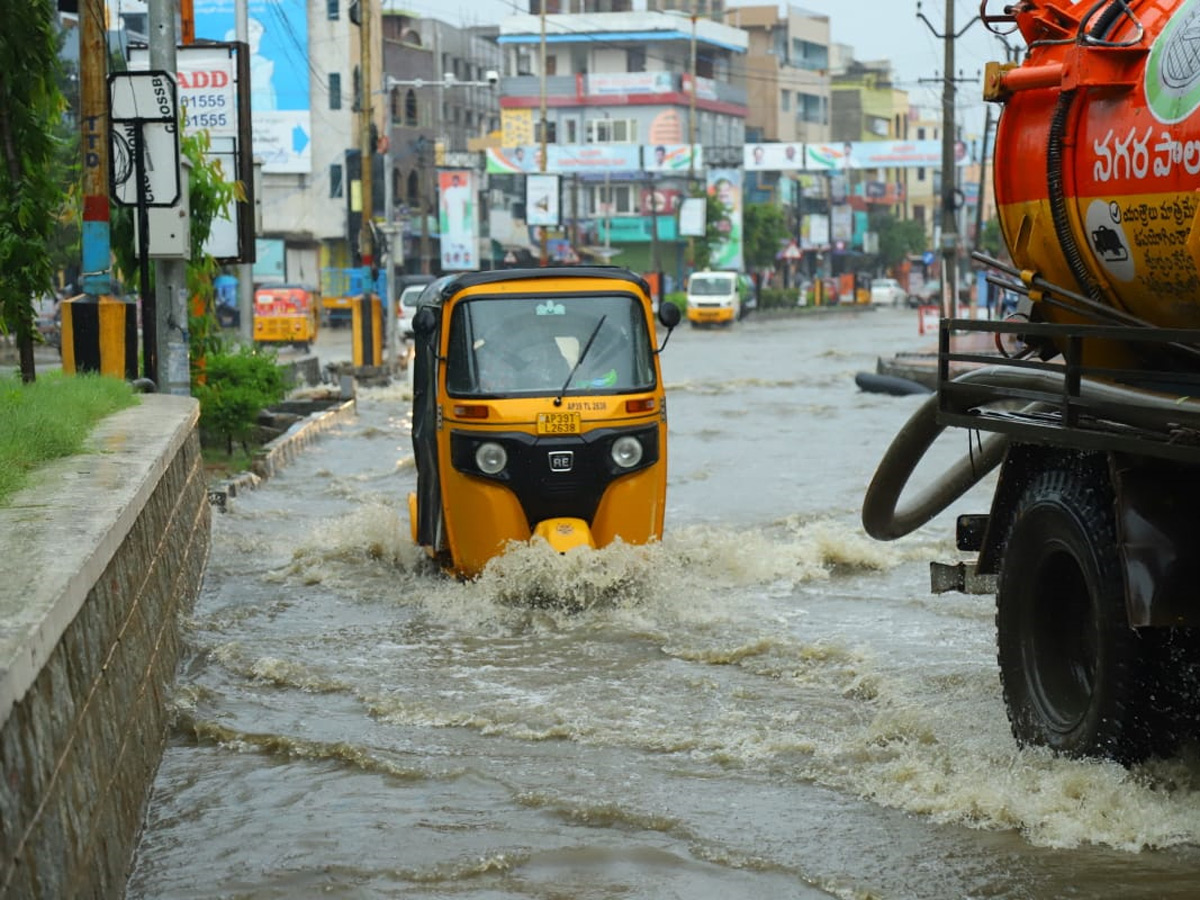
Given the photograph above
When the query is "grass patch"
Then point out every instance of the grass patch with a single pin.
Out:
(51, 419)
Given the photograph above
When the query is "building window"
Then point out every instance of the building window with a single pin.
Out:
(551, 65)
(335, 179)
(335, 90)
(785, 100)
(635, 60)
(810, 108)
(410, 108)
(612, 131)
(572, 131)
(333, 10)
(613, 200)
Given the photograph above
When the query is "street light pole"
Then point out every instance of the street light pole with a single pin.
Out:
(366, 244)
(692, 111)
(542, 160)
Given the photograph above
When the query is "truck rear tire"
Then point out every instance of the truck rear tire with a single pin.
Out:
(1074, 673)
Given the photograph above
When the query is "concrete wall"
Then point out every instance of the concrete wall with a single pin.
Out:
(98, 561)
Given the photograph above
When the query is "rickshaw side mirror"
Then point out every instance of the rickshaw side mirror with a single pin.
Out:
(668, 314)
(425, 322)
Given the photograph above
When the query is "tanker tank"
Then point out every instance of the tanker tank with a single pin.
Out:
(1097, 154)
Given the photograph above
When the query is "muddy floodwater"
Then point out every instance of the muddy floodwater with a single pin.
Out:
(768, 704)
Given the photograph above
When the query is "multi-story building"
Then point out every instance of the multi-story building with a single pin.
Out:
(786, 72)
(867, 106)
(922, 195)
(439, 99)
(788, 88)
(626, 85)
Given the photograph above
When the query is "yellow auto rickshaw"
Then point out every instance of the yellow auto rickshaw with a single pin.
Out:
(287, 314)
(538, 409)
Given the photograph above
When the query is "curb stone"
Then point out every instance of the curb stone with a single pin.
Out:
(280, 451)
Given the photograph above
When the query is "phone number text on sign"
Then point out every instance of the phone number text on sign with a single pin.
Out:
(207, 95)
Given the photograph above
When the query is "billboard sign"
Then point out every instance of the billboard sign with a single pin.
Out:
(541, 199)
(458, 215)
(726, 186)
(773, 157)
(279, 76)
(676, 159)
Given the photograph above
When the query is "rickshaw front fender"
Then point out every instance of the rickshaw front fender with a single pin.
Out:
(565, 534)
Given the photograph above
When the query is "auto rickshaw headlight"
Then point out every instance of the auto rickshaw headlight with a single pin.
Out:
(491, 458)
(627, 451)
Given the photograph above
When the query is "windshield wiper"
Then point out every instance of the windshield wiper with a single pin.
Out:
(586, 347)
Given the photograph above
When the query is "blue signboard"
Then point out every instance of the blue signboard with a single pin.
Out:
(277, 36)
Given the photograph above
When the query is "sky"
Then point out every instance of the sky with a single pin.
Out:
(876, 29)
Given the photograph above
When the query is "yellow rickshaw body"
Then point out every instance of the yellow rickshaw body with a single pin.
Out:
(582, 466)
(287, 314)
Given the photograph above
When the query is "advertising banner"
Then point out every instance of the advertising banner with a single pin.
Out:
(773, 157)
(541, 199)
(673, 158)
(625, 83)
(279, 76)
(457, 219)
(814, 232)
(207, 85)
(564, 159)
(726, 186)
(516, 127)
(692, 214)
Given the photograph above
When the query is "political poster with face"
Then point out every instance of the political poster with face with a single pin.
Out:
(773, 157)
(457, 219)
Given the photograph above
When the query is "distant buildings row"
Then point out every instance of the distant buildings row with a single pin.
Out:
(613, 75)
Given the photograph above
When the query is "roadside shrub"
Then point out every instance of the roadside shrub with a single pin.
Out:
(777, 298)
(679, 298)
(237, 387)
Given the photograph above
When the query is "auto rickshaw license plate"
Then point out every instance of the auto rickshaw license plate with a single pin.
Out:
(558, 423)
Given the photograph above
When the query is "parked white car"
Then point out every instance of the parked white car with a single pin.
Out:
(887, 292)
(406, 307)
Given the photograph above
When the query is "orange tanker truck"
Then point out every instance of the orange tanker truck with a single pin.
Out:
(1091, 414)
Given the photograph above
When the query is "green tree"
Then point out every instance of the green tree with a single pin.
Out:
(897, 239)
(765, 231)
(31, 196)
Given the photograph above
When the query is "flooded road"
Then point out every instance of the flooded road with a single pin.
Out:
(768, 704)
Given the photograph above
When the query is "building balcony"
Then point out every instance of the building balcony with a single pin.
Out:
(622, 89)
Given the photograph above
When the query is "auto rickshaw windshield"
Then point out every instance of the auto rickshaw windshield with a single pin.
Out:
(530, 345)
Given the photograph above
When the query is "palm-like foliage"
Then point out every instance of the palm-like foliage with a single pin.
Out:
(31, 195)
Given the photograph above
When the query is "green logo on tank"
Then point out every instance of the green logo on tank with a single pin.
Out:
(1173, 70)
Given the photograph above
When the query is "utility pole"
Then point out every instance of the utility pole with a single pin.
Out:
(544, 128)
(167, 358)
(691, 251)
(949, 245)
(423, 200)
(96, 277)
(245, 271)
(366, 241)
